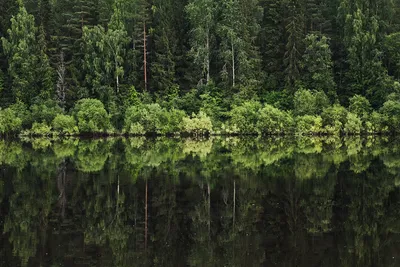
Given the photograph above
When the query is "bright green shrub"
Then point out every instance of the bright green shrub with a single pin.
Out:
(245, 116)
(321, 101)
(40, 129)
(274, 121)
(376, 124)
(171, 121)
(304, 103)
(65, 124)
(92, 117)
(9, 122)
(143, 119)
(353, 124)
(21, 111)
(197, 125)
(309, 125)
(334, 118)
(391, 109)
(360, 106)
(45, 111)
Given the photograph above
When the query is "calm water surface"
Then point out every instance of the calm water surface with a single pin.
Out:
(212, 202)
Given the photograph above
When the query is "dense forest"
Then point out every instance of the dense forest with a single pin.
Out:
(199, 67)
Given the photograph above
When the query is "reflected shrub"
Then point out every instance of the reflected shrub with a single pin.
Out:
(40, 129)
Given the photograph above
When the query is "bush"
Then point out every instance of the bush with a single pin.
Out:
(143, 119)
(245, 117)
(353, 124)
(65, 124)
(304, 103)
(377, 124)
(45, 112)
(171, 121)
(274, 121)
(40, 129)
(391, 110)
(91, 116)
(21, 111)
(360, 106)
(309, 125)
(9, 122)
(198, 125)
(334, 118)
(151, 118)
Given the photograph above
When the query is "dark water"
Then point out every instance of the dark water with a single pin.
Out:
(215, 202)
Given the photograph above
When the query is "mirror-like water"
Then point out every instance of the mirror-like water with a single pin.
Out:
(214, 202)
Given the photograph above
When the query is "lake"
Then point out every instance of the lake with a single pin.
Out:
(205, 202)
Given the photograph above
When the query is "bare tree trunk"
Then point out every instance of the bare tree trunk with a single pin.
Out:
(234, 202)
(61, 84)
(208, 58)
(144, 56)
(145, 214)
(233, 66)
(116, 70)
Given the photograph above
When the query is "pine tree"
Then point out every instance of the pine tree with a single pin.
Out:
(272, 42)
(166, 22)
(295, 33)
(317, 72)
(361, 30)
(28, 64)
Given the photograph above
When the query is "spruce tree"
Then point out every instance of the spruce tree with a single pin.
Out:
(28, 66)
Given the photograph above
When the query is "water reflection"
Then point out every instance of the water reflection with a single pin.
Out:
(211, 202)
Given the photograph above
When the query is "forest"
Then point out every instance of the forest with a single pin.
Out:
(199, 67)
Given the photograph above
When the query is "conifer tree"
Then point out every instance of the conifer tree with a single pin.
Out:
(28, 67)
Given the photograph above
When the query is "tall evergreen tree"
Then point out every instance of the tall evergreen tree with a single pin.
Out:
(272, 42)
(295, 32)
(317, 72)
(28, 64)
(361, 30)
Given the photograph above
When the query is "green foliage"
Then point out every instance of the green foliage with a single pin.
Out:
(40, 129)
(9, 122)
(91, 116)
(198, 125)
(317, 65)
(245, 116)
(28, 64)
(65, 125)
(353, 124)
(152, 119)
(274, 121)
(45, 111)
(334, 118)
(391, 110)
(309, 125)
(360, 106)
(308, 102)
